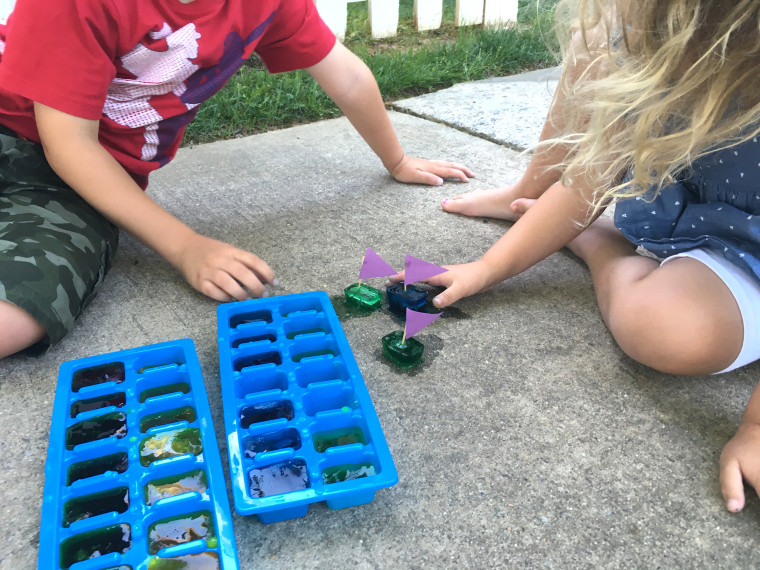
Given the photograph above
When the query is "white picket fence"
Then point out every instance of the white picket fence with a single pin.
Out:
(383, 14)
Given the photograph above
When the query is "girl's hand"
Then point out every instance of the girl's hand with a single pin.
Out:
(432, 172)
(740, 460)
(460, 281)
(221, 271)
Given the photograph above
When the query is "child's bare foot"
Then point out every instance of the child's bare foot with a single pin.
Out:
(504, 203)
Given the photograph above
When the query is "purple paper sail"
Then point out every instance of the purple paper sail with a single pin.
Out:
(374, 266)
(416, 321)
(418, 270)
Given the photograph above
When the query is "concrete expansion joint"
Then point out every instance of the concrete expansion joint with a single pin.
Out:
(471, 132)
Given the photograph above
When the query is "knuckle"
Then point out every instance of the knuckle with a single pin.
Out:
(256, 288)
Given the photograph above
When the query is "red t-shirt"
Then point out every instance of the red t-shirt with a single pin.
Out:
(142, 67)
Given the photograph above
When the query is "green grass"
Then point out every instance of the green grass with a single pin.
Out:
(412, 63)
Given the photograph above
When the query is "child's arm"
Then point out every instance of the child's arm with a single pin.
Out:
(551, 223)
(212, 267)
(350, 83)
(741, 456)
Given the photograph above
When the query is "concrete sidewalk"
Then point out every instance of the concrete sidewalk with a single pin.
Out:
(527, 440)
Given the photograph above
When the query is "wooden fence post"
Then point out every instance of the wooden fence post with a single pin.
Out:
(383, 18)
(469, 12)
(335, 14)
(428, 14)
(499, 13)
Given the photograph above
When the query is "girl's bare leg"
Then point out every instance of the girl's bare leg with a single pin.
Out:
(19, 330)
(678, 318)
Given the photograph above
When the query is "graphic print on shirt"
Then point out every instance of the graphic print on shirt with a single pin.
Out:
(159, 68)
(163, 66)
(208, 81)
(3, 35)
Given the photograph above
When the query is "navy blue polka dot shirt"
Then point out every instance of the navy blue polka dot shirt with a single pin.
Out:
(716, 206)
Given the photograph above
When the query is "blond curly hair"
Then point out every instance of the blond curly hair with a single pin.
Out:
(662, 83)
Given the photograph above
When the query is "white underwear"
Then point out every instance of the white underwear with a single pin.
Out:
(746, 291)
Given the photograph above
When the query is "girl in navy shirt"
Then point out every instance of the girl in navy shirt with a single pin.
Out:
(658, 112)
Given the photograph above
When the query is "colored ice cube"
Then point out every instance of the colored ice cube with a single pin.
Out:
(117, 462)
(400, 299)
(115, 538)
(170, 444)
(117, 400)
(363, 296)
(279, 478)
(335, 437)
(185, 413)
(113, 500)
(113, 372)
(180, 530)
(258, 360)
(202, 561)
(406, 355)
(271, 441)
(193, 481)
(347, 472)
(266, 411)
(178, 387)
(101, 427)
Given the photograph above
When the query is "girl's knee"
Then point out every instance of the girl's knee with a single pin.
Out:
(674, 334)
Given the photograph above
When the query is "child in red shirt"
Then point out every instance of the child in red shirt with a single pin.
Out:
(107, 89)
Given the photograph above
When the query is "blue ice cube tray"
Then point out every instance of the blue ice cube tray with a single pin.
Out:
(133, 477)
(301, 427)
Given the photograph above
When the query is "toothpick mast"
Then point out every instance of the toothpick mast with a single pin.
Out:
(359, 288)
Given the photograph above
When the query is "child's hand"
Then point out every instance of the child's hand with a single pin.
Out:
(739, 460)
(221, 271)
(460, 281)
(421, 171)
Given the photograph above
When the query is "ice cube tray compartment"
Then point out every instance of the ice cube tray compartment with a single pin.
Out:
(133, 469)
(301, 427)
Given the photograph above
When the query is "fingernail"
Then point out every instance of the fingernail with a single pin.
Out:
(439, 182)
(276, 282)
(733, 506)
(265, 294)
(437, 301)
(445, 201)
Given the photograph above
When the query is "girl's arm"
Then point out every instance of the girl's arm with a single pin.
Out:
(552, 222)
(740, 459)
(350, 84)
(212, 267)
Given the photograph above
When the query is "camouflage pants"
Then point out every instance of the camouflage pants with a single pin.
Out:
(55, 249)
